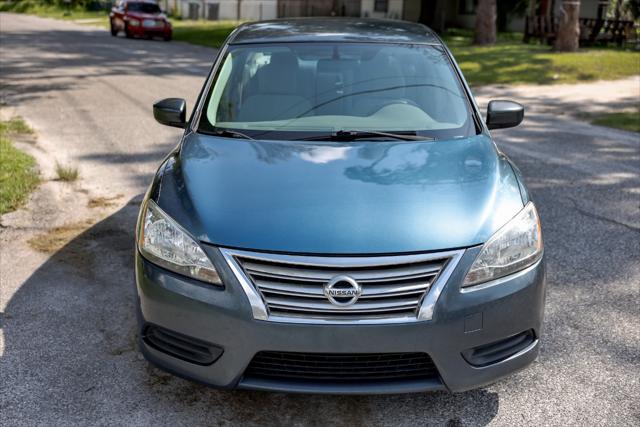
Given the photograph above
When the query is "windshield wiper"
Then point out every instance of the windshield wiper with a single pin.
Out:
(351, 135)
(228, 133)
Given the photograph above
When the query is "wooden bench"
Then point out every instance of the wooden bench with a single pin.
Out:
(594, 31)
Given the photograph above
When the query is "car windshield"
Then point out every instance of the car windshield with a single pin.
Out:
(296, 90)
(143, 7)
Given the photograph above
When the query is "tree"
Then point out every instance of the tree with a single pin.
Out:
(485, 22)
(507, 9)
(624, 9)
(428, 13)
(568, 33)
(634, 8)
(615, 9)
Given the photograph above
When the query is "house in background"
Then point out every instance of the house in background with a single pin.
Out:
(438, 14)
(253, 10)
(246, 10)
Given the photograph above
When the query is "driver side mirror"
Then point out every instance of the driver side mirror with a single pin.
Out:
(171, 112)
(504, 114)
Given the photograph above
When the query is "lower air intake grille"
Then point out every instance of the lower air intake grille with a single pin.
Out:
(335, 367)
(500, 350)
(181, 346)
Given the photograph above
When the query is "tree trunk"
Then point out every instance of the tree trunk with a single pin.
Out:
(568, 33)
(618, 10)
(485, 22)
(427, 13)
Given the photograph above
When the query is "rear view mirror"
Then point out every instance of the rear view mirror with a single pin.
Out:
(504, 114)
(171, 112)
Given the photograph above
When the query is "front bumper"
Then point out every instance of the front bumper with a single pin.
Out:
(142, 31)
(223, 317)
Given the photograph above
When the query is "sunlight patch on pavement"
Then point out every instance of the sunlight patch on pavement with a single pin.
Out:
(612, 178)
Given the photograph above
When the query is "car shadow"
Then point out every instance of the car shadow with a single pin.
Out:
(70, 342)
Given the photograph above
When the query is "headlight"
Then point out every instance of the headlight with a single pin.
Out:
(164, 242)
(133, 22)
(515, 246)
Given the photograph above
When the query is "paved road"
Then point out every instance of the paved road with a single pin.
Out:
(67, 342)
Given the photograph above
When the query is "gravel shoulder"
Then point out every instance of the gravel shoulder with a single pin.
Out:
(67, 325)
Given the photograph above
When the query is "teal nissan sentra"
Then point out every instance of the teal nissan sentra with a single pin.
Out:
(337, 219)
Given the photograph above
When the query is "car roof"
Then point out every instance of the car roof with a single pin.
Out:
(334, 30)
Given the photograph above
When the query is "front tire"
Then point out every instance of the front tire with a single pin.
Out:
(114, 30)
(167, 37)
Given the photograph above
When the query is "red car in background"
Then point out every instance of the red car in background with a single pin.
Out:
(140, 19)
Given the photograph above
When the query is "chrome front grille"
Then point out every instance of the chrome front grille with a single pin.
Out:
(292, 288)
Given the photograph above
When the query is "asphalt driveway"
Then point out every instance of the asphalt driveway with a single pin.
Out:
(67, 338)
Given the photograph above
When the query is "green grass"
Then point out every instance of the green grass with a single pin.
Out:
(14, 125)
(510, 61)
(32, 7)
(206, 33)
(18, 174)
(624, 120)
(66, 173)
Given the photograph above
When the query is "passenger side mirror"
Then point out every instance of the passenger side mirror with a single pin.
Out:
(171, 112)
(504, 114)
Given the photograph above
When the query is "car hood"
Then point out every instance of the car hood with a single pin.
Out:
(360, 197)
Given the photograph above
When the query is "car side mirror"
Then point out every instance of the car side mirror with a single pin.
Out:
(504, 114)
(171, 112)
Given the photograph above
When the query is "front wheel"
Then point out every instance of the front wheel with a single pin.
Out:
(114, 30)
(167, 37)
